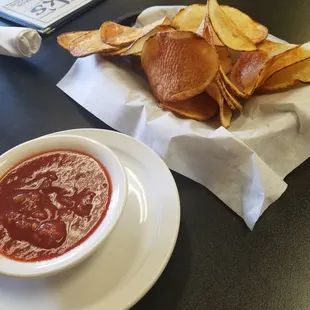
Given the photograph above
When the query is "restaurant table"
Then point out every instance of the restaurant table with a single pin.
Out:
(218, 263)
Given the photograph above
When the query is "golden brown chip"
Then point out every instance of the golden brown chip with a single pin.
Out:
(178, 64)
(250, 28)
(201, 107)
(230, 86)
(274, 48)
(88, 44)
(252, 67)
(66, 38)
(232, 102)
(225, 112)
(245, 72)
(220, 87)
(225, 115)
(224, 57)
(226, 29)
(208, 32)
(137, 46)
(279, 62)
(119, 35)
(116, 52)
(288, 77)
(190, 18)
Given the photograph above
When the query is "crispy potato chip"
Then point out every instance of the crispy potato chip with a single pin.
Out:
(224, 57)
(190, 18)
(225, 63)
(220, 87)
(226, 30)
(88, 44)
(250, 68)
(232, 102)
(178, 64)
(288, 77)
(225, 115)
(250, 28)
(137, 46)
(279, 62)
(119, 35)
(225, 112)
(115, 53)
(274, 48)
(230, 86)
(200, 108)
(245, 72)
(66, 38)
(208, 32)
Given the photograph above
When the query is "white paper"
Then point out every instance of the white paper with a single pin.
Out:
(244, 166)
(19, 41)
(42, 13)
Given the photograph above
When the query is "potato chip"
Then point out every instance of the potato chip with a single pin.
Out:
(178, 64)
(225, 112)
(225, 115)
(224, 57)
(225, 64)
(88, 44)
(120, 51)
(65, 39)
(190, 17)
(288, 77)
(208, 32)
(250, 28)
(201, 107)
(119, 35)
(226, 29)
(232, 102)
(274, 48)
(251, 67)
(279, 62)
(230, 86)
(219, 85)
(245, 72)
(137, 46)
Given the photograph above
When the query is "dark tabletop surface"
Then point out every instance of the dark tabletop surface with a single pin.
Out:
(217, 262)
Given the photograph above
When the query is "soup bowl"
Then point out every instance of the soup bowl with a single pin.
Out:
(118, 195)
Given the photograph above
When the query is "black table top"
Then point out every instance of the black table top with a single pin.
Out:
(217, 262)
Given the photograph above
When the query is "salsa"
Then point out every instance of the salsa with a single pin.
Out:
(51, 203)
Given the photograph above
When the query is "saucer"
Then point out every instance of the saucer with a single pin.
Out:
(131, 259)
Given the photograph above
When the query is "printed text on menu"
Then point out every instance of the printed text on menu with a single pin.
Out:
(40, 12)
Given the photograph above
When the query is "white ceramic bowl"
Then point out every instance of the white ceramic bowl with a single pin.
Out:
(118, 198)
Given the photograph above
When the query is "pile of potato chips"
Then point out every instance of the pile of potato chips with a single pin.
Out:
(204, 62)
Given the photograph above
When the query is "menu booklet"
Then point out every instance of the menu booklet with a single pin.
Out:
(43, 15)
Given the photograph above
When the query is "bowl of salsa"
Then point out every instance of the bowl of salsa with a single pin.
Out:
(60, 198)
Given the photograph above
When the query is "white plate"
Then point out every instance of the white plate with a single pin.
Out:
(134, 255)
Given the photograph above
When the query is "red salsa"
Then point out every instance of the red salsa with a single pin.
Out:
(51, 203)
